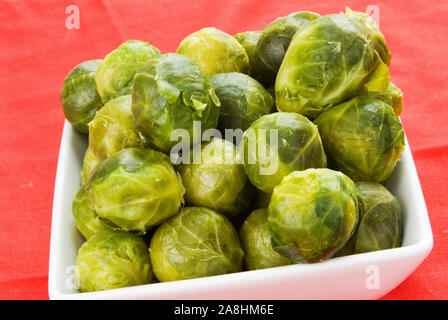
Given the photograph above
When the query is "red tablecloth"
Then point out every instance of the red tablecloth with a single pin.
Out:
(37, 51)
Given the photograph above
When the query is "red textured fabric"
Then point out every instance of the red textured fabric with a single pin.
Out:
(37, 51)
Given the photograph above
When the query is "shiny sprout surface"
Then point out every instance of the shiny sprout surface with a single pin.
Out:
(312, 214)
(80, 99)
(89, 162)
(170, 93)
(243, 100)
(249, 40)
(197, 242)
(115, 74)
(380, 224)
(274, 42)
(256, 242)
(277, 144)
(135, 189)
(327, 62)
(218, 181)
(113, 128)
(85, 217)
(215, 52)
(363, 137)
(112, 259)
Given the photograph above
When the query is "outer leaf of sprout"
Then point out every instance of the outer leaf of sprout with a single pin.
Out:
(197, 242)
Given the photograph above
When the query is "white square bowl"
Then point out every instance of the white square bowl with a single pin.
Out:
(361, 276)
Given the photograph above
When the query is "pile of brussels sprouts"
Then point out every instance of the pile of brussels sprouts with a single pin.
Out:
(321, 83)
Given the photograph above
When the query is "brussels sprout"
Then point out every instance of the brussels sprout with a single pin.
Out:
(135, 189)
(243, 100)
(218, 181)
(113, 128)
(197, 242)
(392, 96)
(363, 137)
(215, 52)
(80, 99)
(170, 92)
(380, 224)
(85, 217)
(274, 41)
(115, 74)
(277, 144)
(375, 34)
(312, 214)
(249, 41)
(327, 62)
(256, 242)
(112, 259)
(89, 162)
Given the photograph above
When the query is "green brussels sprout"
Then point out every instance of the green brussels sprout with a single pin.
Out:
(277, 144)
(392, 96)
(379, 86)
(375, 34)
(135, 189)
(256, 242)
(80, 99)
(115, 74)
(312, 214)
(112, 259)
(197, 242)
(327, 62)
(363, 137)
(85, 217)
(113, 128)
(215, 52)
(89, 162)
(243, 100)
(218, 181)
(274, 42)
(380, 224)
(249, 41)
(170, 92)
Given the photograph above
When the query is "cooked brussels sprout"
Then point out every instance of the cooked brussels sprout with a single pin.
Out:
(218, 181)
(380, 224)
(89, 162)
(80, 99)
(392, 96)
(267, 159)
(115, 74)
(215, 52)
(243, 100)
(113, 128)
(327, 62)
(135, 189)
(274, 42)
(256, 242)
(197, 242)
(85, 217)
(312, 213)
(249, 41)
(112, 259)
(170, 92)
(363, 137)
(375, 34)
